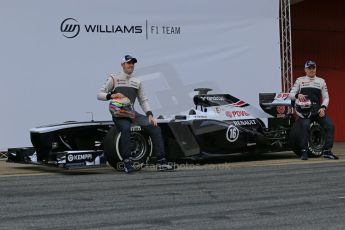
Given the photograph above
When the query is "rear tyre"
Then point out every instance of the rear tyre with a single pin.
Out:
(316, 140)
(141, 148)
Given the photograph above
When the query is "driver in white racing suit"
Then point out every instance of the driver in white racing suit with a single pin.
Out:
(123, 85)
(315, 89)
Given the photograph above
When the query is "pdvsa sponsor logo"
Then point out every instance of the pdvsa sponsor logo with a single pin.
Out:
(232, 114)
(232, 133)
(282, 96)
(213, 98)
(244, 122)
(78, 157)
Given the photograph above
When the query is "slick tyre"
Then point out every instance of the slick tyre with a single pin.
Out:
(141, 148)
(316, 139)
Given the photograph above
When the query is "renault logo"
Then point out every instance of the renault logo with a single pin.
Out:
(70, 28)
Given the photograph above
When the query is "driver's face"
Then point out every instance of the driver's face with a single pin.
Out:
(128, 67)
(310, 72)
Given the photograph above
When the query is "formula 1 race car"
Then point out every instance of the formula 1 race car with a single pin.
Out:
(219, 125)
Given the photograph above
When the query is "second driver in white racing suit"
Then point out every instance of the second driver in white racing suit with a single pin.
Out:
(315, 89)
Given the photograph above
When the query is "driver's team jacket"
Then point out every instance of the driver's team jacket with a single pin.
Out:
(129, 86)
(314, 87)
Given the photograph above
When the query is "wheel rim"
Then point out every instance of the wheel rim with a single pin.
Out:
(138, 146)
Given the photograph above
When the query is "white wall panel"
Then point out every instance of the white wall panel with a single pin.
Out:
(228, 45)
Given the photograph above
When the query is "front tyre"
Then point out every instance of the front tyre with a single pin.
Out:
(141, 148)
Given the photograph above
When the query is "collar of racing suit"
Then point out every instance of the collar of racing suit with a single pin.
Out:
(126, 75)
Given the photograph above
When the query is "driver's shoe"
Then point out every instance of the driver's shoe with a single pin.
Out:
(304, 154)
(127, 166)
(329, 155)
(163, 165)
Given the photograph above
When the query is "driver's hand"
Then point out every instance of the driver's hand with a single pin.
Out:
(301, 97)
(322, 112)
(152, 120)
(117, 96)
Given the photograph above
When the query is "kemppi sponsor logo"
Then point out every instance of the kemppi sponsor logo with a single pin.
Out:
(78, 157)
(236, 114)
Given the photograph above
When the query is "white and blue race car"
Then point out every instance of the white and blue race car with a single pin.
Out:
(219, 125)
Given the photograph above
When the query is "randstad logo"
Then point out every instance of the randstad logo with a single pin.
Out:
(70, 28)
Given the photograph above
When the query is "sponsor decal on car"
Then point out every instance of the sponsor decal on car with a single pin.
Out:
(244, 122)
(282, 96)
(200, 116)
(213, 98)
(281, 109)
(239, 103)
(237, 113)
(232, 133)
(136, 128)
(218, 109)
(79, 157)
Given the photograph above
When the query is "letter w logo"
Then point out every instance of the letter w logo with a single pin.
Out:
(70, 28)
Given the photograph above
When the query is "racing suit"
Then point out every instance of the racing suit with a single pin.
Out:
(131, 87)
(316, 90)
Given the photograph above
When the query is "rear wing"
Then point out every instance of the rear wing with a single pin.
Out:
(276, 104)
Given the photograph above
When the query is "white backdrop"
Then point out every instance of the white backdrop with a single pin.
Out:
(229, 45)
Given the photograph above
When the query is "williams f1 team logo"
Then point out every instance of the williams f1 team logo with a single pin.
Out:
(70, 28)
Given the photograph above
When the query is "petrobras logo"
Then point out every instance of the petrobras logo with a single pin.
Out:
(71, 28)
(213, 98)
(79, 157)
